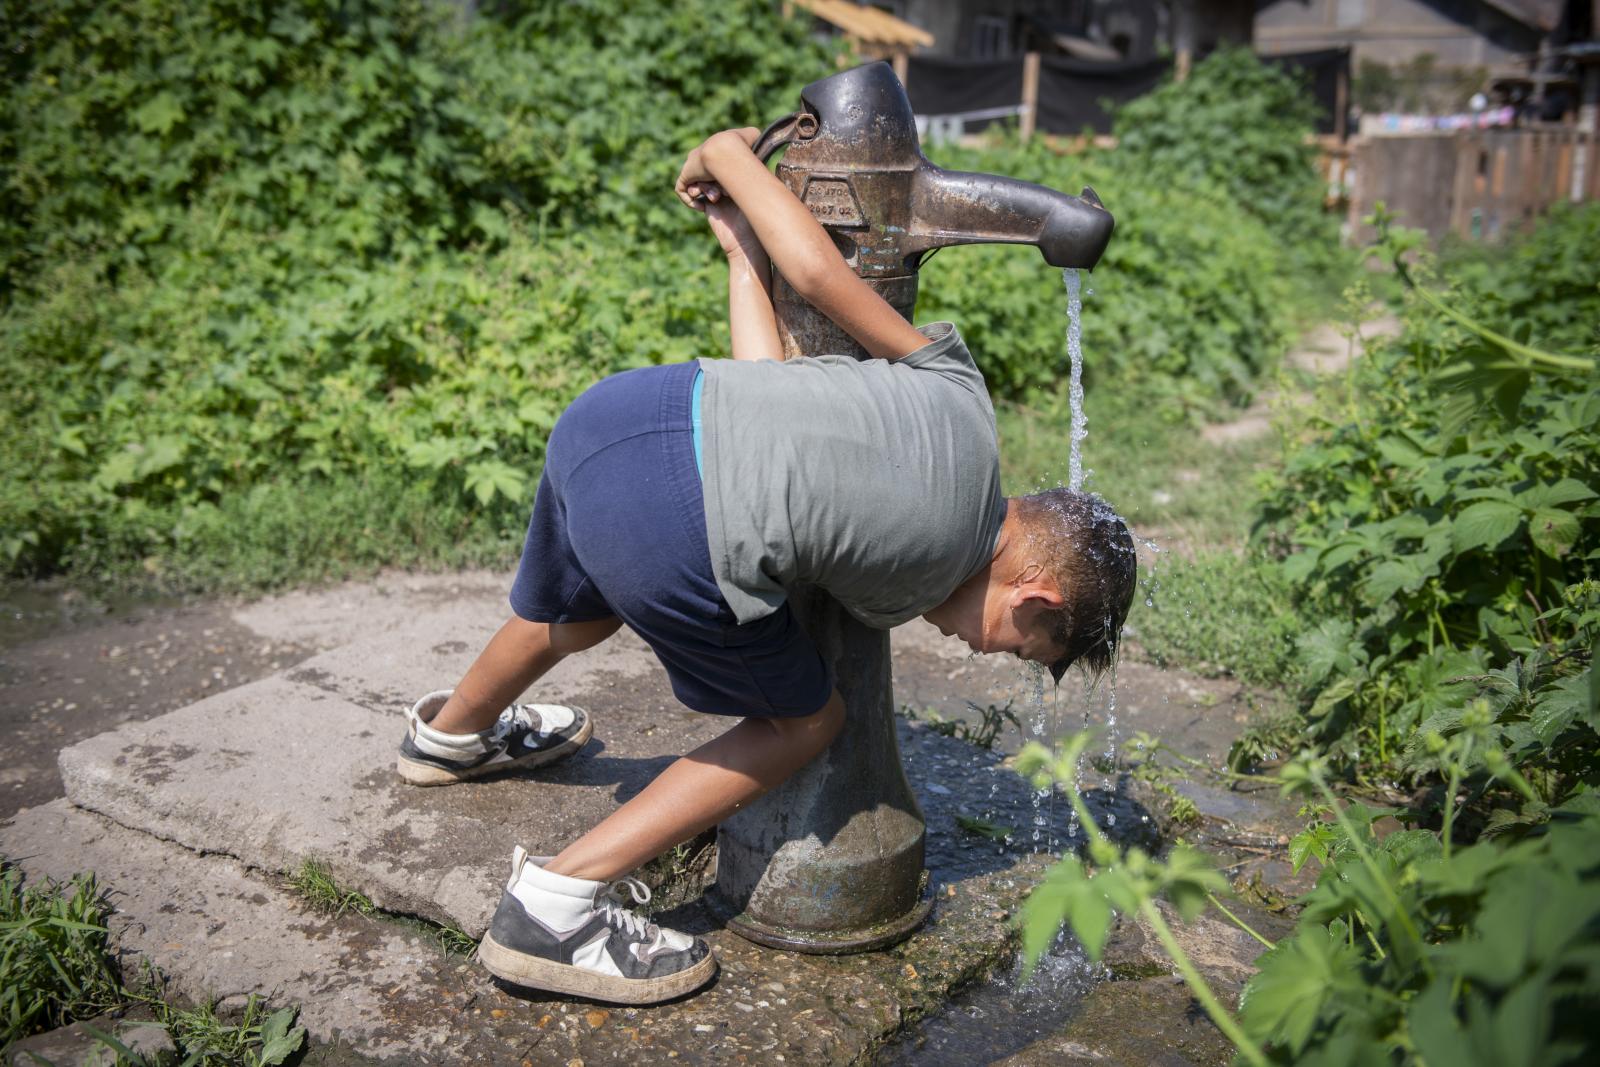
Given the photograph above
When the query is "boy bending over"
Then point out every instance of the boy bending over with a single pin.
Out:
(683, 501)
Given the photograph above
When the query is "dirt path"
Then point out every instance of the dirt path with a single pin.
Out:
(1324, 351)
(137, 663)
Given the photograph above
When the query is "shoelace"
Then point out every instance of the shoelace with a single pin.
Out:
(614, 907)
(514, 716)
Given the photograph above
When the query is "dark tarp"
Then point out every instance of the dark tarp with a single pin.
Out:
(1073, 92)
(1320, 71)
(950, 86)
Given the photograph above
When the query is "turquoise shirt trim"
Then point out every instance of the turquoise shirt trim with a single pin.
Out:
(694, 419)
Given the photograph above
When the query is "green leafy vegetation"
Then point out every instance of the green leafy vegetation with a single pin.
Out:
(54, 964)
(1410, 947)
(1240, 129)
(258, 1038)
(293, 294)
(1440, 516)
(257, 260)
(1432, 535)
(983, 733)
(57, 967)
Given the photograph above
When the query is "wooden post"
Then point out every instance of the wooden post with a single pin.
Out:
(901, 63)
(1183, 38)
(1030, 94)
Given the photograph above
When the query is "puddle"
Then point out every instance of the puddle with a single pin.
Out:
(992, 1019)
(30, 611)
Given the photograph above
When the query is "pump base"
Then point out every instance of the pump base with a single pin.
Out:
(822, 942)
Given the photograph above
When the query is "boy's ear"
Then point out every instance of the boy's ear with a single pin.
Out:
(1037, 593)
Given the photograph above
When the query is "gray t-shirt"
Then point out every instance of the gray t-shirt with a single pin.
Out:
(878, 481)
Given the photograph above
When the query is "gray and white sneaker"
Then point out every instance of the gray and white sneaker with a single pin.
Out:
(525, 735)
(574, 936)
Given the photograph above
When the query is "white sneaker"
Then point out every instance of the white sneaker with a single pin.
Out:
(571, 935)
(525, 735)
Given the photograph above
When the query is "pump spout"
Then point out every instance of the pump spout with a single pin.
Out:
(956, 208)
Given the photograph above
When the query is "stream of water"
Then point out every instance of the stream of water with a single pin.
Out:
(1000, 1015)
(1080, 422)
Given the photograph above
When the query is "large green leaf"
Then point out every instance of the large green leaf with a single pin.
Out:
(1553, 531)
(1554, 494)
(159, 114)
(1281, 1004)
(1561, 705)
(1485, 524)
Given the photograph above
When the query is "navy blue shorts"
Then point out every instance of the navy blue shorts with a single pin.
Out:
(619, 528)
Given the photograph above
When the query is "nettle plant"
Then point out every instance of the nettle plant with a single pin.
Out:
(1442, 514)
(1411, 948)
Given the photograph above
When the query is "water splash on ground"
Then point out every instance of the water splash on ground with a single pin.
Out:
(993, 1018)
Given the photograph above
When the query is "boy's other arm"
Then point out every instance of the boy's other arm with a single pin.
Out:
(752, 325)
(797, 243)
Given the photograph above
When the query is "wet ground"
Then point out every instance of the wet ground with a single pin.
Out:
(73, 666)
(72, 670)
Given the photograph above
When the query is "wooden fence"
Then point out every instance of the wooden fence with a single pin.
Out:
(1478, 184)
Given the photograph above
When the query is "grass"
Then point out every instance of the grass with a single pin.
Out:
(314, 884)
(57, 967)
(1221, 613)
(55, 964)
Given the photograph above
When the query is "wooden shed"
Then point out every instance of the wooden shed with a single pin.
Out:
(874, 32)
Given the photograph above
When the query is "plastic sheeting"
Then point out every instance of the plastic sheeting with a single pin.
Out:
(1321, 71)
(1076, 95)
(1073, 93)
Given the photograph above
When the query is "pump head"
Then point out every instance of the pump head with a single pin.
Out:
(853, 158)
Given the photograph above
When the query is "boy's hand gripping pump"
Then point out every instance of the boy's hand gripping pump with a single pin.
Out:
(831, 861)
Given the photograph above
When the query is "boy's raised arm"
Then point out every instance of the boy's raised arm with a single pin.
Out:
(797, 243)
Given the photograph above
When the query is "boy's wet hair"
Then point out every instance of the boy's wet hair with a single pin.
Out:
(1086, 547)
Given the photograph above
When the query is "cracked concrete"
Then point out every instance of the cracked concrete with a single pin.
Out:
(194, 817)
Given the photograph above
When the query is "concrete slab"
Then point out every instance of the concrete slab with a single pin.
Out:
(300, 766)
(220, 930)
(280, 771)
(341, 614)
(387, 671)
(217, 930)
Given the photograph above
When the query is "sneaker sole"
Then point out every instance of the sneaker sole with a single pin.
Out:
(418, 773)
(535, 973)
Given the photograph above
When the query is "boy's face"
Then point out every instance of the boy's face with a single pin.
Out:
(1011, 621)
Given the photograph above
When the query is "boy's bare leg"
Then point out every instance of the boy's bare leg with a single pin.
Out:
(699, 791)
(516, 657)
